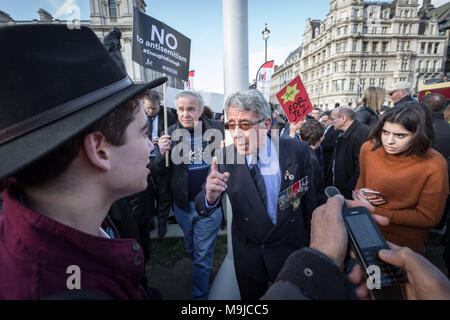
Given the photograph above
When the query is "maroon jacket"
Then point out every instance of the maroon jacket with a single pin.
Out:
(36, 251)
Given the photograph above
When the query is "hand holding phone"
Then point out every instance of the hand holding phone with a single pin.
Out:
(372, 196)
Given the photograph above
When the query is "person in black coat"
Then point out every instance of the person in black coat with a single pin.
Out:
(268, 225)
(343, 172)
(437, 102)
(329, 142)
(160, 191)
(368, 112)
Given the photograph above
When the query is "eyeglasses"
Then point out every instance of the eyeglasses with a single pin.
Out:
(244, 125)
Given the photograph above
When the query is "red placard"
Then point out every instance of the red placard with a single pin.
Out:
(295, 101)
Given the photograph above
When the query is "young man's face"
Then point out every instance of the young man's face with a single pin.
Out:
(129, 161)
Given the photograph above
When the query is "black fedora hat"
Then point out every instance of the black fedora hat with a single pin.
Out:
(54, 82)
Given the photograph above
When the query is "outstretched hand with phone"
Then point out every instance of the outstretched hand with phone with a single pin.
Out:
(328, 233)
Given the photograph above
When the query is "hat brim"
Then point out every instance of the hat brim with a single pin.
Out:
(18, 153)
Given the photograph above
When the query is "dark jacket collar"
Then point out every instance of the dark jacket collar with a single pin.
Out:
(405, 99)
(349, 131)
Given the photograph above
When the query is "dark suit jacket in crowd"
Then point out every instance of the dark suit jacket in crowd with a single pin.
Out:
(260, 248)
(442, 137)
(328, 144)
(346, 156)
(171, 119)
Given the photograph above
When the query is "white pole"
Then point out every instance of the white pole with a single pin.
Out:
(235, 70)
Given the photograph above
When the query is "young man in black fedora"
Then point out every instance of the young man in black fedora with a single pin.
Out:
(73, 139)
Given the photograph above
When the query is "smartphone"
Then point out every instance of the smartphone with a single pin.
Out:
(366, 241)
(372, 192)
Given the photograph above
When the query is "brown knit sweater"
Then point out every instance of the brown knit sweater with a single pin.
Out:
(415, 189)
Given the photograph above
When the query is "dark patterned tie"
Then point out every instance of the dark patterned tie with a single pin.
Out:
(258, 179)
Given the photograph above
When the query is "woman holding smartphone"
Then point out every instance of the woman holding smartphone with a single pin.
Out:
(403, 177)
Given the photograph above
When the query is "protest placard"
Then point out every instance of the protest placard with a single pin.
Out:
(158, 47)
(294, 100)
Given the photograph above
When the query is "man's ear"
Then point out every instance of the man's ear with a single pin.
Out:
(268, 123)
(97, 150)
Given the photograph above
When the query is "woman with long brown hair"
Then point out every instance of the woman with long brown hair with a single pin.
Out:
(402, 176)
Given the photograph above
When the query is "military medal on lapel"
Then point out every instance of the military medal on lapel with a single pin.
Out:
(283, 200)
(292, 195)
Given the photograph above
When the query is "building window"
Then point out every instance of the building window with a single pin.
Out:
(402, 45)
(373, 65)
(363, 65)
(436, 48)
(384, 30)
(419, 65)
(372, 82)
(422, 48)
(354, 45)
(381, 83)
(374, 46)
(363, 84)
(353, 65)
(404, 64)
(345, 29)
(355, 28)
(427, 64)
(352, 85)
(364, 46)
(429, 47)
(432, 29)
(355, 13)
(405, 27)
(112, 9)
(335, 68)
(374, 30)
(384, 46)
(343, 65)
(364, 29)
(383, 65)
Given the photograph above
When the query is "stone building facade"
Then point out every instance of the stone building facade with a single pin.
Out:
(362, 44)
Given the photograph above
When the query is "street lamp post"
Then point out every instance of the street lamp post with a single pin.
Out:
(266, 34)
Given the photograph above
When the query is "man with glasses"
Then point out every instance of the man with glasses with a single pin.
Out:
(400, 92)
(269, 183)
(188, 166)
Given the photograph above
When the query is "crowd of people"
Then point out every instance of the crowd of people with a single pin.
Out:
(86, 173)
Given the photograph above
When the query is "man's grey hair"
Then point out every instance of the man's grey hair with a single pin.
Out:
(194, 94)
(251, 100)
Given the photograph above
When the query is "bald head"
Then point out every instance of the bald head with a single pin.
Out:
(345, 111)
(435, 101)
(342, 117)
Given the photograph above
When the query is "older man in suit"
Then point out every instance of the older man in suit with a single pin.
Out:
(269, 183)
